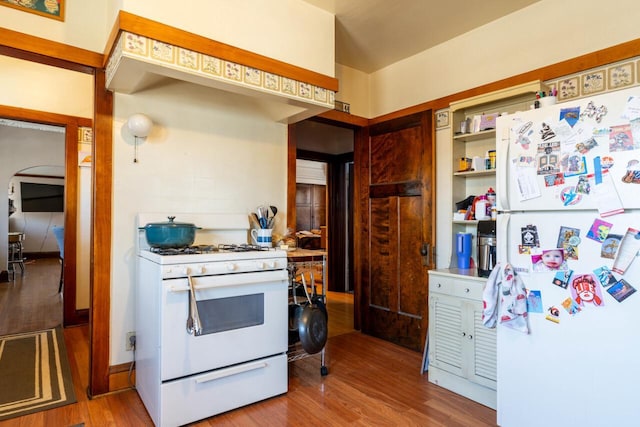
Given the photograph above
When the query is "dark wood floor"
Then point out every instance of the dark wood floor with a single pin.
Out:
(31, 302)
(370, 382)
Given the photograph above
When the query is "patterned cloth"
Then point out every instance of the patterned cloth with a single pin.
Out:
(504, 297)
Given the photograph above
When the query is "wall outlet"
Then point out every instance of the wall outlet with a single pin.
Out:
(130, 343)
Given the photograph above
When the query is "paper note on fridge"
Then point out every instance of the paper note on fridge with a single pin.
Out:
(632, 109)
(606, 195)
(526, 177)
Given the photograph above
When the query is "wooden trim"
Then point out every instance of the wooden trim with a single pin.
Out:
(70, 223)
(54, 119)
(119, 378)
(71, 124)
(345, 120)
(177, 37)
(56, 53)
(291, 176)
(100, 316)
(570, 66)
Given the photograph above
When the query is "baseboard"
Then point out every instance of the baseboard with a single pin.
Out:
(119, 378)
(4, 276)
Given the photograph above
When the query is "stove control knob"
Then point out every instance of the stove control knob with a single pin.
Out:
(185, 270)
(201, 269)
(271, 264)
(232, 266)
(260, 265)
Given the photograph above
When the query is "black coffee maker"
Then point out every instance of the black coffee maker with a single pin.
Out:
(486, 233)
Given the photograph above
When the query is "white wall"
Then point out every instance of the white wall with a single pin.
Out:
(544, 33)
(354, 90)
(36, 226)
(208, 152)
(21, 148)
(291, 31)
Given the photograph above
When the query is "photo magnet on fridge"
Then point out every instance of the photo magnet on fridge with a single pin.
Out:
(562, 278)
(605, 276)
(621, 290)
(599, 230)
(549, 260)
(610, 246)
(571, 306)
(534, 302)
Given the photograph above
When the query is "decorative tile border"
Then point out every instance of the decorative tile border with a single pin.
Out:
(85, 135)
(153, 51)
(597, 80)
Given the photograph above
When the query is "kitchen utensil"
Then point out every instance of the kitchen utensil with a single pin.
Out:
(170, 234)
(194, 326)
(312, 325)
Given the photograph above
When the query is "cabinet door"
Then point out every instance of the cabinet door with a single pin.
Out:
(481, 363)
(445, 333)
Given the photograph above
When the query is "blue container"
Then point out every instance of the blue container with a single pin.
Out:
(463, 249)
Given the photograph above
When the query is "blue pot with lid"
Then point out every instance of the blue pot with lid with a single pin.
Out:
(170, 234)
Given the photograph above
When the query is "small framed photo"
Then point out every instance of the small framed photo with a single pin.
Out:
(53, 9)
(442, 119)
(621, 75)
(593, 82)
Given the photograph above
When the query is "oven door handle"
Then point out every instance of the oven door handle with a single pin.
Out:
(235, 370)
(193, 320)
(231, 280)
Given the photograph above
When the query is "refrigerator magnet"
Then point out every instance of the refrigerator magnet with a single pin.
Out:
(627, 251)
(554, 314)
(562, 278)
(605, 276)
(571, 306)
(610, 246)
(549, 260)
(599, 230)
(534, 302)
(586, 289)
(621, 290)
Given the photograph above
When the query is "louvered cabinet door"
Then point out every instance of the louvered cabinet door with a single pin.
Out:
(445, 328)
(481, 367)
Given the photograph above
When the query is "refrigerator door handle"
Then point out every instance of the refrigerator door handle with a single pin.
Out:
(503, 238)
(502, 169)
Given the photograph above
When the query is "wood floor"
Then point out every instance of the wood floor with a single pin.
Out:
(370, 382)
(31, 302)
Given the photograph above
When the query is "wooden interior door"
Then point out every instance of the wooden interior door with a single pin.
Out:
(396, 177)
(311, 206)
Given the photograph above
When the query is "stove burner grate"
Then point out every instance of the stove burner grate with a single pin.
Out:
(207, 249)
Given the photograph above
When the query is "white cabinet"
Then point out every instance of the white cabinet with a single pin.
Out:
(462, 352)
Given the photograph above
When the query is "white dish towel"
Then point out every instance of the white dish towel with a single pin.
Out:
(504, 297)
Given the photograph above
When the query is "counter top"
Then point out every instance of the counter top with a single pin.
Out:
(468, 273)
(301, 255)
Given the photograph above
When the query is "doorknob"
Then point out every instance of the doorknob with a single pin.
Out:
(424, 252)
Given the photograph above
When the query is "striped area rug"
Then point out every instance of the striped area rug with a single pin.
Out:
(34, 373)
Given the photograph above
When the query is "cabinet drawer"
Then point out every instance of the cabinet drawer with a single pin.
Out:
(202, 396)
(463, 288)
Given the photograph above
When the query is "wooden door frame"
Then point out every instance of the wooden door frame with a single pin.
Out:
(71, 316)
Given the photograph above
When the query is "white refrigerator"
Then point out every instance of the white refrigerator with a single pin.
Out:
(568, 196)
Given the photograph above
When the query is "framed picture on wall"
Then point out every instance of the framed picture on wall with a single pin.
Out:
(53, 9)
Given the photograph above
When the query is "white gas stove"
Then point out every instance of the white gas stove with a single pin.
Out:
(211, 323)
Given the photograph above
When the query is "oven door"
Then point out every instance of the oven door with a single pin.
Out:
(243, 317)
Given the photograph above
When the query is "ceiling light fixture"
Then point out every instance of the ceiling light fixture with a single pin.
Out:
(139, 125)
